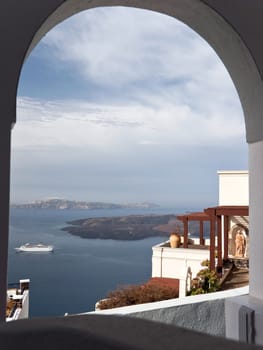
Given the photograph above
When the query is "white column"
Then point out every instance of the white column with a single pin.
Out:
(249, 320)
(5, 131)
(256, 219)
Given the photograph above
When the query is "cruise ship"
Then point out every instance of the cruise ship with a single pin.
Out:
(39, 247)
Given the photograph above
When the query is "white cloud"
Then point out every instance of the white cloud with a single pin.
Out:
(167, 78)
(170, 114)
(78, 123)
(119, 46)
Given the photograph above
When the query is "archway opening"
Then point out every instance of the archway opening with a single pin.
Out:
(141, 135)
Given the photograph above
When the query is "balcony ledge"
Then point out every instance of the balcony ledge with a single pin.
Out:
(105, 332)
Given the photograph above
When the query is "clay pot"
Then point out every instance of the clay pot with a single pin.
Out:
(175, 240)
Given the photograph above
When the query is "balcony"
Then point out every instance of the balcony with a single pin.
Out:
(17, 305)
(174, 262)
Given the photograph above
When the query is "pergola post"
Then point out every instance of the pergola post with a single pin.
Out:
(201, 230)
(196, 216)
(185, 232)
(226, 225)
(211, 213)
(219, 240)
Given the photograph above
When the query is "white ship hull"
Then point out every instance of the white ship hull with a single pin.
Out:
(35, 248)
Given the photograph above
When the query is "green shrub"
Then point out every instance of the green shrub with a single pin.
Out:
(209, 280)
(205, 263)
(206, 281)
(196, 291)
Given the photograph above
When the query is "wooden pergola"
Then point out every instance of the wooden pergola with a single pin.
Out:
(198, 216)
(215, 215)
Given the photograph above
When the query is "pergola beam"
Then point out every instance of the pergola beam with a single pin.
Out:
(232, 210)
(214, 215)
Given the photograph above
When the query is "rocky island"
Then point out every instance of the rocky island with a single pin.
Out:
(64, 204)
(131, 227)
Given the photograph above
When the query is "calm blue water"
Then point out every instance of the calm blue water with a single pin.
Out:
(79, 271)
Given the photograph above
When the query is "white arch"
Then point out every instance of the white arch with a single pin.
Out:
(24, 22)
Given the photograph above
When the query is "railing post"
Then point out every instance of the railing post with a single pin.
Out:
(5, 133)
(185, 221)
(201, 229)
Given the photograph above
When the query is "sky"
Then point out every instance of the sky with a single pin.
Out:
(125, 105)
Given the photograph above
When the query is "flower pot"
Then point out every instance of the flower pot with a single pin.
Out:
(175, 240)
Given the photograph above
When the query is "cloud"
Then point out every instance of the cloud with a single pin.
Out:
(140, 52)
(163, 117)
(156, 81)
(120, 45)
(78, 123)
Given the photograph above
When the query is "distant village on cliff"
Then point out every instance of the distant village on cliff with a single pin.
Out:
(64, 204)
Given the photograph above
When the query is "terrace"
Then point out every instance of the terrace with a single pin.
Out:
(17, 304)
(184, 262)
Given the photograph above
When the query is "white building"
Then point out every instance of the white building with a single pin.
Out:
(233, 187)
(233, 190)
(228, 217)
(17, 306)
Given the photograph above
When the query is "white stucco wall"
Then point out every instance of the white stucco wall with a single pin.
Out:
(233, 187)
(24, 313)
(170, 262)
(203, 313)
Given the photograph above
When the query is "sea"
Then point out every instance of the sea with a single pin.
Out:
(79, 271)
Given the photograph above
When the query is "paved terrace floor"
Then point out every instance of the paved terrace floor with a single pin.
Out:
(238, 277)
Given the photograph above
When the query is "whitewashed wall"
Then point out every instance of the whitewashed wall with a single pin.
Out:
(233, 187)
(170, 262)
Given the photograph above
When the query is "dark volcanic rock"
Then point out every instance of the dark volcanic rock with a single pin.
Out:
(130, 227)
